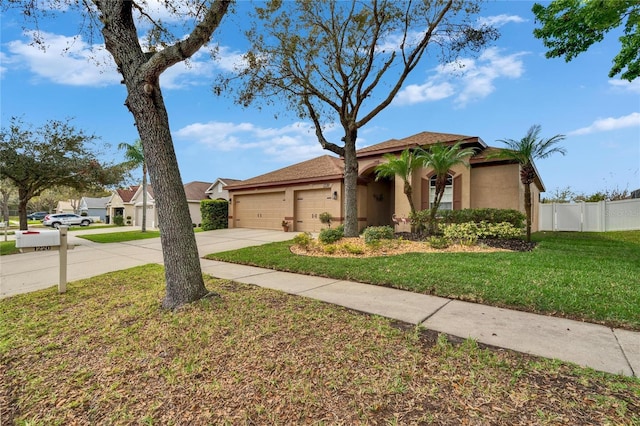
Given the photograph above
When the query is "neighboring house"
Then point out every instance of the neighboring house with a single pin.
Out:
(119, 203)
(65, 207)
(218, 190)
(95, 207)
(138, 201)
(196, 192)
(299, 193)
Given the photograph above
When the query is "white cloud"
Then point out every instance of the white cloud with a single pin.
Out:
(471, 79)
(633, 86)
(291, 143)
(71, 61)
(608, 124)
(65, 60)
(500, 20)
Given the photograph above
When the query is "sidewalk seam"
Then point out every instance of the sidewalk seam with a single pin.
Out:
(633, 373)
(434, 312)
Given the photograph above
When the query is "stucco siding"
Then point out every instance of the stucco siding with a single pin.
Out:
(496, 187)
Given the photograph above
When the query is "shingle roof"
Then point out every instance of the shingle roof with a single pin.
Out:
(127, 193)
(96, 203)
(196, 190)
(317, 169)
(420, 139)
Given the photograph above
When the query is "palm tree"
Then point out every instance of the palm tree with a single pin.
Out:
(524, 151)
(441, 158)
(402, 166)
(135, 157)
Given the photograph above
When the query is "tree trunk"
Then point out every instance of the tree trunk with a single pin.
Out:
(144, 198)
(183, 274)
(23, 199)
(527, 208)
(350, 185)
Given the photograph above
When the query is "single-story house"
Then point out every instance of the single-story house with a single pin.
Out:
(218, 189)
(196, 191)
(94, 207)
(65, 206)
(299, 193)
(129, 203)
(120, 204)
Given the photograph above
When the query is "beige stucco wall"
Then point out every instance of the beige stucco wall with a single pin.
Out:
(194, 212)
(496, 187)
(116, 202)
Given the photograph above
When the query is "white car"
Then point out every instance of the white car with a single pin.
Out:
(55, 220)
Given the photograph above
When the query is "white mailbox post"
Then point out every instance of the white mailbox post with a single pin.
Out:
(45, 241)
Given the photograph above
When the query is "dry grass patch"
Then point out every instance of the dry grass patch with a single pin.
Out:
(104, 353)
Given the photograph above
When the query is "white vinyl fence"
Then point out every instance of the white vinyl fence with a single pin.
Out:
(623, 215)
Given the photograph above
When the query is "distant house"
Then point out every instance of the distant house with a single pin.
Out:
(129, 203)
(119, 203)
(65, 207)
(95, 207)
(218, 190)
(196, 191)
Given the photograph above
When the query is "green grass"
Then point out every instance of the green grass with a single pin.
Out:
(106, 353)
(119, 237)
(8, 247)
(586, 276)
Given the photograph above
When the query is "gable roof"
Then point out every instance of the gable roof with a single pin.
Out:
(225, 182)
(420, 139)
(95, 203)
(196, 191)
(317, 169)
(126, 194)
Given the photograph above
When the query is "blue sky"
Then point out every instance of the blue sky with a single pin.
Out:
(505, 90)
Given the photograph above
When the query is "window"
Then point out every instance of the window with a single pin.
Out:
(447, 198)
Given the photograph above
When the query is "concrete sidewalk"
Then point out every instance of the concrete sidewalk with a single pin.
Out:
(601, 348)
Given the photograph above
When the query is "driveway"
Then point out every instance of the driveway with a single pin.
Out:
(25, 272)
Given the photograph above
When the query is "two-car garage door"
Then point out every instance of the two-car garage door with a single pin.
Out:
(259, 211)
(268, 210)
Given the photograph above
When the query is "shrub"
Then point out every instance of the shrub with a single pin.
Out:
(303, 240)
(329, 236)
(118, 220)
(351, 248)
(438, 242)
(215, 214)
(325, 217)
(468, 233)
(377, 233)
(420, 219)
(330, 248)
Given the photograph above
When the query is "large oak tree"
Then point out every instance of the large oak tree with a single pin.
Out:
(141, 66)
(343, 62)
(53, 155)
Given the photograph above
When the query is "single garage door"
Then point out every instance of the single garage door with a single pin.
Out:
(308, 206)
(259, 211)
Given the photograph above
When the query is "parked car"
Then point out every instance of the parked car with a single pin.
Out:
(37, 215)
(55, 220)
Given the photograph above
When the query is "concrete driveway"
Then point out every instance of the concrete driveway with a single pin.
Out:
(25, 272)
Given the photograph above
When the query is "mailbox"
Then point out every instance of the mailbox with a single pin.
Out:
(44, 239)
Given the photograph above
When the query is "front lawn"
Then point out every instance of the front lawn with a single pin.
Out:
(119, 237)
(8, 247)
(586, 276)
(105, 353)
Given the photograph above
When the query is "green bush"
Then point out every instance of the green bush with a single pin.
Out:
(325, 217)
(377, 233)
(118, 220)
(303, 240)
(438, 242)
(329, 236)
(351, 248)
(468, 233)
(420, 219)
(215, 214)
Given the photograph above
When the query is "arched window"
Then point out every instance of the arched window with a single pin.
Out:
(447, 198)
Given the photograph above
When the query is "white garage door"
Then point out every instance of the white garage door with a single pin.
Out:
(259, 211)
(308, 206)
